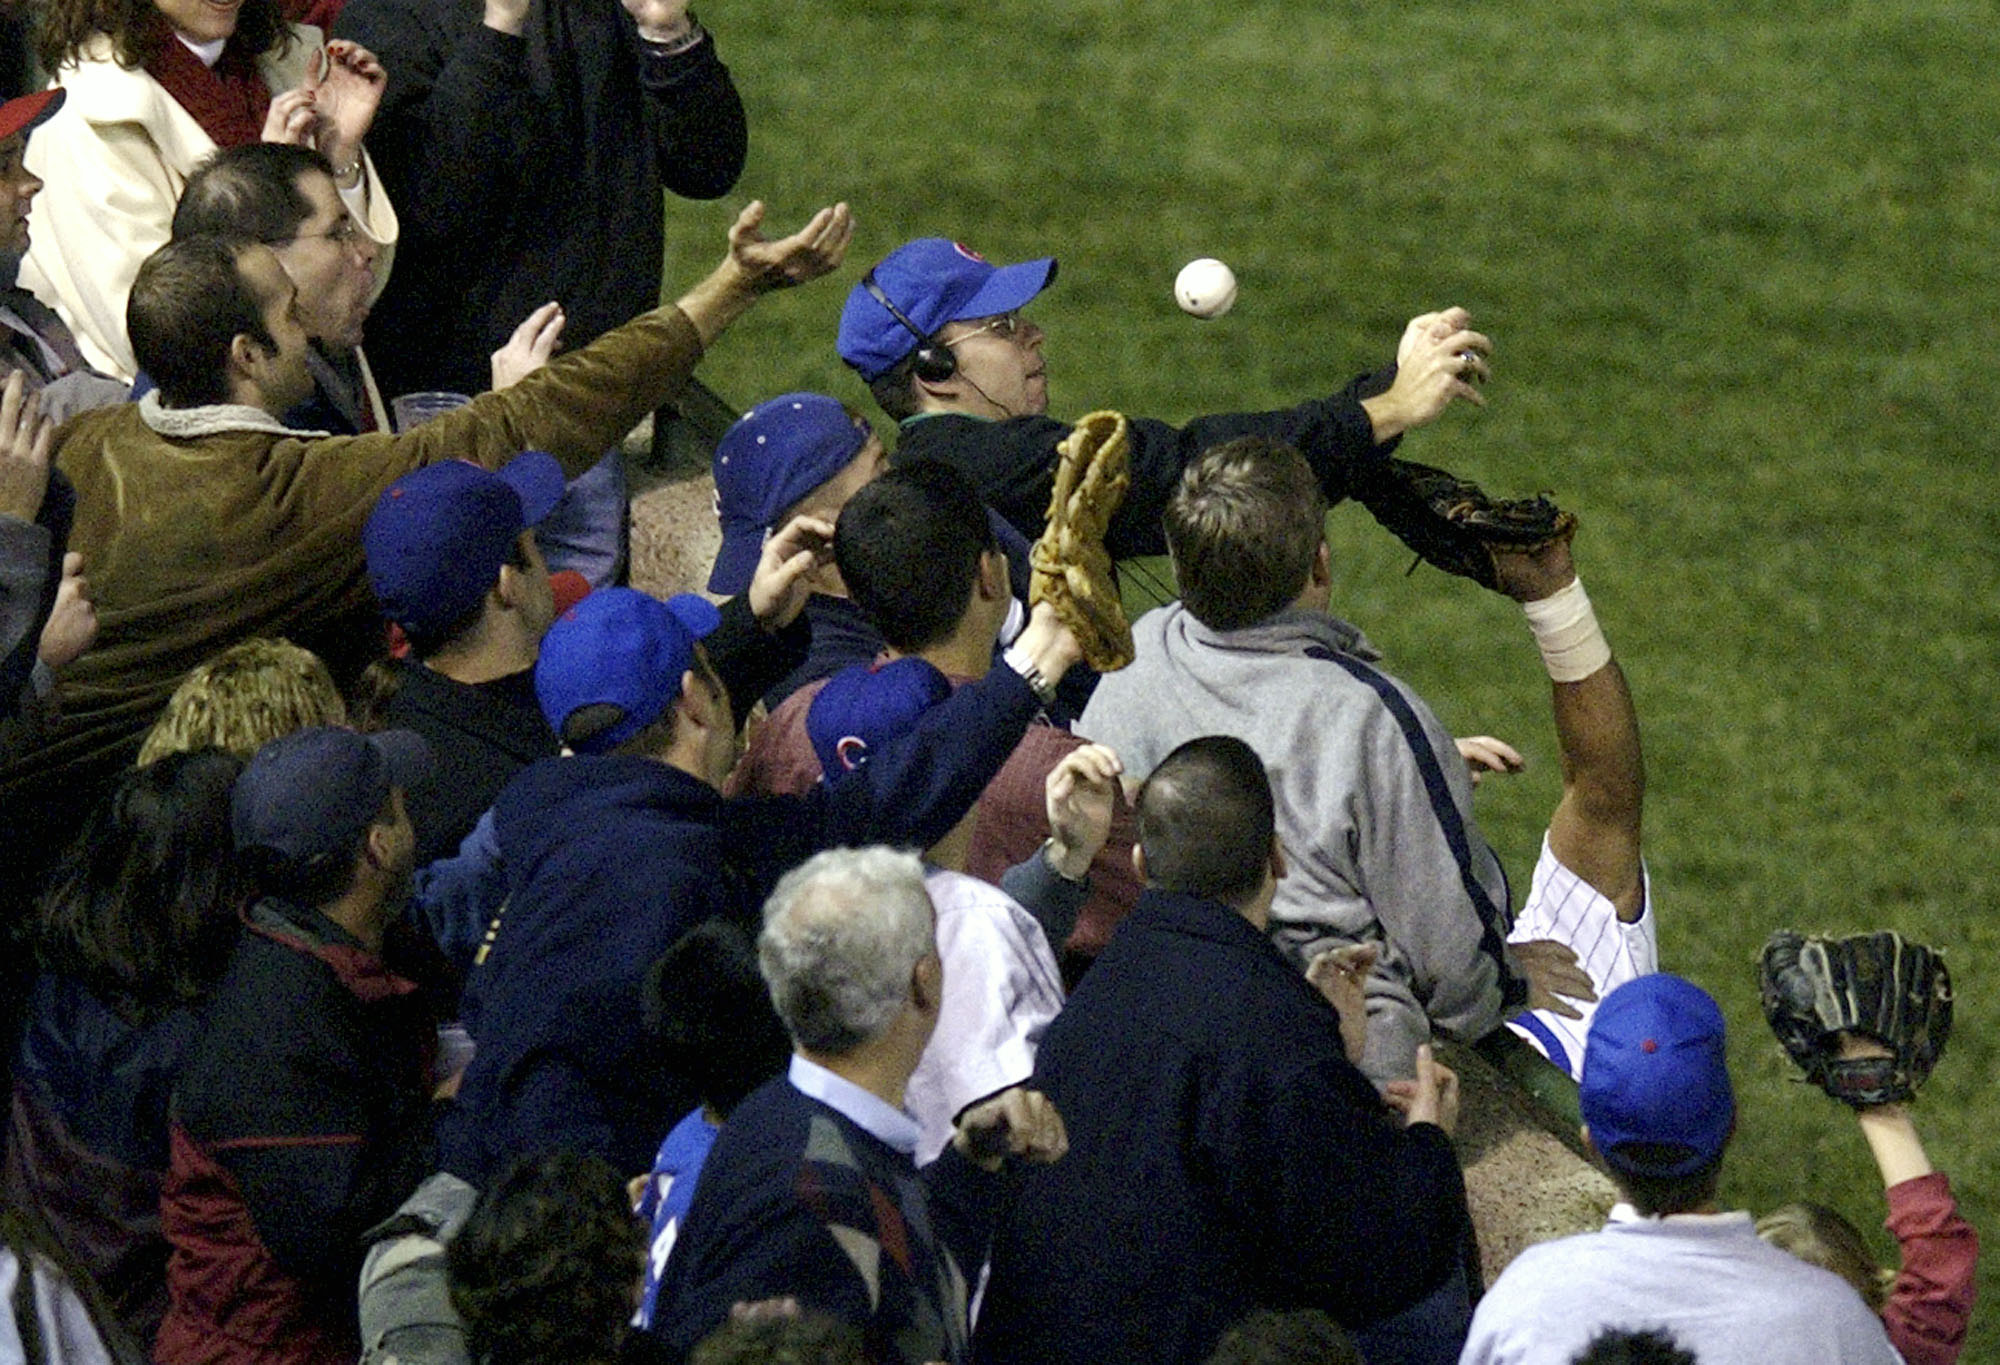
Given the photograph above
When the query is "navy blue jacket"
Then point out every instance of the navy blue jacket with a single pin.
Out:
(1224, 1155)
(609, 861)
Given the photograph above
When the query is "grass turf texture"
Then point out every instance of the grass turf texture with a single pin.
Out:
(1740, 266)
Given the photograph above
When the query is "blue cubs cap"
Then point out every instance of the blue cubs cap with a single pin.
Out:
(775, 454)
(438, 535)
(1654, 1072)
(934, 281)
(619, 647)
(864, 707)
(315, 792)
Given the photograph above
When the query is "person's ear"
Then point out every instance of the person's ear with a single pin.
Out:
(1277, 860)
(379, 846)
(1139, 862)
(1322, 569)
(695, 700)
(927, 984)
(507, 585)
(246, 355)
(993, 584)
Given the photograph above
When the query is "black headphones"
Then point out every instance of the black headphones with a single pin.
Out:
(932, 361)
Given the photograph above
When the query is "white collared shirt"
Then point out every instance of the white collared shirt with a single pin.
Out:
(868, 1112)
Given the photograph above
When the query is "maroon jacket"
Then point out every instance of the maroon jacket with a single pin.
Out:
(301, 1119)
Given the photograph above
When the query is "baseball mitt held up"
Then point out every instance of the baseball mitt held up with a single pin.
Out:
(1072, 569)
(1453, 524)
(1877, 985)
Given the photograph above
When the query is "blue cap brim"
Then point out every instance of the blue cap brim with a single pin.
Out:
(736, 561)
(698, 614)
(538, 481)
(1007, 288)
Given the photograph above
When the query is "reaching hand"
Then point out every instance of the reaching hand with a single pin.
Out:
(812, 251)
(1439, 359)
(1015, 1122)
(783, 581)
(1552, 972)
(1341, 975)
(72, 623)
(346, 83)
(291, 118)
(25, 438)
(1484, 754)
(1531, 575)
(533, 342)
(1081, 795)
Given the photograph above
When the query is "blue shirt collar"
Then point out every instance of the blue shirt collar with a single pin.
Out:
(869, 1112)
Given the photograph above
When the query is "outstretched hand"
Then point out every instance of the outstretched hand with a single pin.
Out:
(346, 83)
(533, 342)
(1439, 359)
(812, 251)
(1431, 1098)
(1081, 794)
(1484, 754)
(72, 625)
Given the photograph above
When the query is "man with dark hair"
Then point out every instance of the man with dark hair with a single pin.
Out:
(1373, 800)
(543, 1270)
(1659, 1109)
(452, 559)
(1225, 1152)
(937, 334)
(811, 1192)
(918, 555)
(614, 853)
(1615, 1347)
(302, 1115)
(285, 197)
(206, 521)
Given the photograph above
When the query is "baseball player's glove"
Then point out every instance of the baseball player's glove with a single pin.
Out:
(1072, 569)
(1895, 992)
(1452, 523)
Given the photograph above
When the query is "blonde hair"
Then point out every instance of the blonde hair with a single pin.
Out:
(1817, 1235)
(245, 697)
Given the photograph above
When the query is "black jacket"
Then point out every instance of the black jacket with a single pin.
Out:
(480, 734)
(1012, 462)
(528, 169)
(1224, 1155)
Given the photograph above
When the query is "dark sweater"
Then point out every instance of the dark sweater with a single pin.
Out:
(796, 1199)
(529, 168)
(609, 861)
(1224, 1155)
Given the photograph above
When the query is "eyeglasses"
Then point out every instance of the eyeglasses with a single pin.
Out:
(1006, 326)
(344, 233)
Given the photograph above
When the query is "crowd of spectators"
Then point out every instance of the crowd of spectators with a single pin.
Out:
(426, 947)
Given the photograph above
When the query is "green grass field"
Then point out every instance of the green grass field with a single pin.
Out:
(1741, 266)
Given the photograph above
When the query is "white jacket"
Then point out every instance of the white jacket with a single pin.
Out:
(116, 157)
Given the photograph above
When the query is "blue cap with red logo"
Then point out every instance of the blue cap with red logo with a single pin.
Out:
(619, 647)
(933, 280)
(864, 707)
(1654, 1072)
(775, 454)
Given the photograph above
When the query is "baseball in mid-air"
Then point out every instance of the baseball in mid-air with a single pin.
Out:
(1206, 288)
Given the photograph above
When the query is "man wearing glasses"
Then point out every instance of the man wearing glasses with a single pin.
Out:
(284, 197)
(938, 335)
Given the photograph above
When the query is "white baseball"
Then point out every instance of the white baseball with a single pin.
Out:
(1206, 288)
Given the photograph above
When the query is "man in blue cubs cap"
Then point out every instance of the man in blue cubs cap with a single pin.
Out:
(939, 335)
(616, 851)
(302, 1116)
(1659, 1108)
(797, 453)
(452, 558)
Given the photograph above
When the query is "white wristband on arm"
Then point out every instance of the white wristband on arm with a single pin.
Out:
(1566, 631)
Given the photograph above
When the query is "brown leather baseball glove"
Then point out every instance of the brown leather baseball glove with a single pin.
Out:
(1072, 569)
